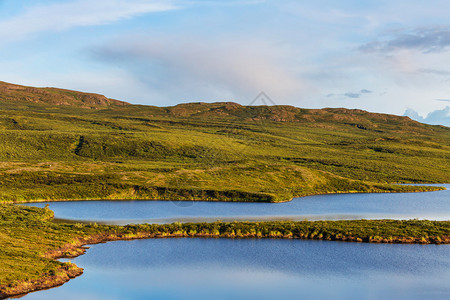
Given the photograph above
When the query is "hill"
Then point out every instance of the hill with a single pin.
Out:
(60, 144)
(53, 96)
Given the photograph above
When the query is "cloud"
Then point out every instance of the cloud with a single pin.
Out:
(178, 67)
(364, 91)
(434, 72)
(443, 100)
(63, 16)
(409, 112)
(437, 117)
(222, 3)
(423, 39)
(352, 95)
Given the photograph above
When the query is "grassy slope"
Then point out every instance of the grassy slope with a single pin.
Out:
(29, 241)
(59, 144)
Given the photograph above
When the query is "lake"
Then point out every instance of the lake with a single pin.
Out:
(429, 205)
(183, 268)
(196, 268)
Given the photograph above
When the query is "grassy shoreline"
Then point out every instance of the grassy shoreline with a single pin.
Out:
(404, 189)
(30, 242)
(60, 145)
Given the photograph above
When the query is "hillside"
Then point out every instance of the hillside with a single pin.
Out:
(19, 94)
(60, 144)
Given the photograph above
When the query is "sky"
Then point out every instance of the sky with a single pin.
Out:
(388, 56)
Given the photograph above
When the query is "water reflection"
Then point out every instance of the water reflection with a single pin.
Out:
(257, 269)
(430, 205)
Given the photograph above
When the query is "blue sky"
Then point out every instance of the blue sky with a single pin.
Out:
(381, 56)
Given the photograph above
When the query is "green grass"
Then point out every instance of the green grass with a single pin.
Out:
(28, 237)
(58, 144)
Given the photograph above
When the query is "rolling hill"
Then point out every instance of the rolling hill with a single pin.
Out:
(61, 144)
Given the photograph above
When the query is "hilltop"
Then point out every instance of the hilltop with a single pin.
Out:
(61, 144)
(24, 94)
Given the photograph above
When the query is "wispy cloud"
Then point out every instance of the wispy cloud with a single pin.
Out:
(222, 3)
(434, 72)
(423, 39)
(66, 15)
(209, 68)
(352, 95)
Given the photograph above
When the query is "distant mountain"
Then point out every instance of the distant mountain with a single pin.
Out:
(54, 96)
(437, 117)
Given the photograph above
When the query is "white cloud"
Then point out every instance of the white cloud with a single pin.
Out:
(66, 15)
(210, 69)
(424, 39)
(229, 50)
(437, 117)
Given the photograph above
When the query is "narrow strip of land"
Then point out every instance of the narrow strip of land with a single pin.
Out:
(30, 242)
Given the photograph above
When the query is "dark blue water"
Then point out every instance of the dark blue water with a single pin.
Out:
(429, 205)
(257, 269)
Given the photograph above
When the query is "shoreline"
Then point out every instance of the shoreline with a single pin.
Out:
(69, 271)
(63, 275)
(431, 189)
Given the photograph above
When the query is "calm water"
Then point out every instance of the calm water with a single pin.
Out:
(430, 205)
(257, 269)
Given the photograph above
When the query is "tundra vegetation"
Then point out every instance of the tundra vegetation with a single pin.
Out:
(65, 145)
(30, 241)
